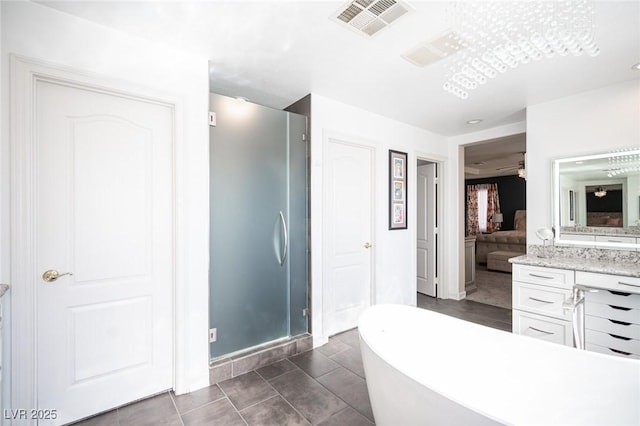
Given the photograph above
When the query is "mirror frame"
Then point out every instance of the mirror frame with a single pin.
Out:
(557, 202)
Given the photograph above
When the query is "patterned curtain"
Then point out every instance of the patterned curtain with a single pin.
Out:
(472, 210)
(493, 206)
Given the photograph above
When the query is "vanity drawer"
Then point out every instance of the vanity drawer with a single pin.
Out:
(608, 297)
(619, 328)
(610, 351)
(545, 276)
(543, 328)
(610, 282)
(540, 299)
(613, 341)
(618, 313)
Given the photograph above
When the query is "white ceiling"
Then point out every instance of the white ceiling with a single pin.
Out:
(276, 52)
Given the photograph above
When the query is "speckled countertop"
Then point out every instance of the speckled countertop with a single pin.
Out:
(581, 264)
(3, 289)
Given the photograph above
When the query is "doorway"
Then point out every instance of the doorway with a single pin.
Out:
(93, 244)
(349, 177)
(427, 228)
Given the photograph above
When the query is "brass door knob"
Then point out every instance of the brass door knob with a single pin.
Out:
(51, 275)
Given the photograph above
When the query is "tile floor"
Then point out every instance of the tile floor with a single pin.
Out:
(324, 386)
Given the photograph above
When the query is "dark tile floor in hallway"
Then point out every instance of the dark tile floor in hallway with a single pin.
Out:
(324, 386)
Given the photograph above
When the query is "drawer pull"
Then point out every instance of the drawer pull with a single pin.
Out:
(619, 337)
(620, 308)
(627, 284)
(541, 276)
(620, 322)
(541, 331)
(620, 352)
(539, 300)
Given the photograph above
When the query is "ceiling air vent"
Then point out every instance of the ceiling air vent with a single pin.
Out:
(435, 49)
(367, 17)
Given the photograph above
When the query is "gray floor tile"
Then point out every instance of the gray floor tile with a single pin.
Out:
(333, 347)
(273, 411)
(247, 390)
(189, 401)
(220, 412)
(276, 369)
(348, 416)
(314, 363)
(351, 359)
(350, 337)
(158, 410)
(349, 387)
(109, 418)
(307, 396)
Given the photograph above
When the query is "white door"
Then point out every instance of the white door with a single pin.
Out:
(348, 219)
(426, 244)
(103, 214)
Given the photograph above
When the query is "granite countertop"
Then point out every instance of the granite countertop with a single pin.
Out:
(3, 289)
(581, 264)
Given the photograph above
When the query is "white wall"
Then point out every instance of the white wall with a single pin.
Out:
(395, 254)
(456, 201)
(38, 32)
(586, 123)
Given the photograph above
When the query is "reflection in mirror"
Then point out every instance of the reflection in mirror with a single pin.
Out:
(597, 200)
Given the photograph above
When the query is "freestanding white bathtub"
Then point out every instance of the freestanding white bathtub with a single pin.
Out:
(426, 368)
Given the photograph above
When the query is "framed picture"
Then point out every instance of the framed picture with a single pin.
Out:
(397, 190)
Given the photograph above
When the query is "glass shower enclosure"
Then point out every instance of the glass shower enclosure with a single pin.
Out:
(258, 225)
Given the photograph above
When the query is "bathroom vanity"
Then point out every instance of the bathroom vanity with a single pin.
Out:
(584, 291)
(607, 320)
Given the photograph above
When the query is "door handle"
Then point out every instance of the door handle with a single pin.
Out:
(51, 275)
(286, 239)
(367, 245)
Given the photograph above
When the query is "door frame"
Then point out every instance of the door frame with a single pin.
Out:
(24, 73)
(358, 143)
(442, 289)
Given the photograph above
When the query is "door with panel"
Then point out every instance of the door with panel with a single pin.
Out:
(104, 248)
(426, 230)
(348, 218)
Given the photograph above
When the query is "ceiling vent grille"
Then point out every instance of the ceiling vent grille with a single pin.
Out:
(436, 49)
(368, 17)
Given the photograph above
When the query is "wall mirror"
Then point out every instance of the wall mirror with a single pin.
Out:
(597, 200)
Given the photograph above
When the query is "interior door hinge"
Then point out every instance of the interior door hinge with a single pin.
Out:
(304, 137)
(212, 119)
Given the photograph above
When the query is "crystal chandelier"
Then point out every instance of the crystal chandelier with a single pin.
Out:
(625, 163)
(498, 36)
(600, 192)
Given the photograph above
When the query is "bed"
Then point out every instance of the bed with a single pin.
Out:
(512, 241)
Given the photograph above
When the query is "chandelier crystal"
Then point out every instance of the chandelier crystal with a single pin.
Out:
(600, 192)
(502, 35)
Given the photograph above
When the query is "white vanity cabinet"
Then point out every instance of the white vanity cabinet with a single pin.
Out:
(612, 314)
(538, 295)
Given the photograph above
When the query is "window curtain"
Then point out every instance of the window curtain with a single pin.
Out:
(473, 213)
(493, 206)
(472, 210)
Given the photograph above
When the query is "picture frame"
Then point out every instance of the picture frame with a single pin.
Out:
(397, 190)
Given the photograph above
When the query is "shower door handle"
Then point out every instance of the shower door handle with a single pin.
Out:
(286, 239)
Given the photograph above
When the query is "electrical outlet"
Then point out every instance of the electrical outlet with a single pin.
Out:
(213, 335)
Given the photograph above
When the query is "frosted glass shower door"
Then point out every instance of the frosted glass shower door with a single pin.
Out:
(250, 225)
